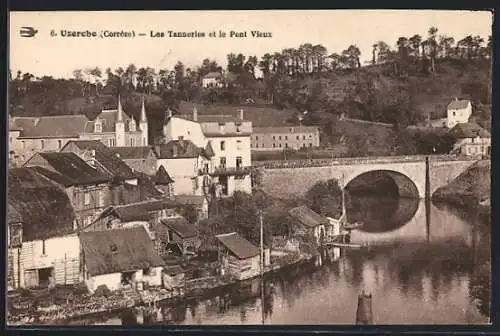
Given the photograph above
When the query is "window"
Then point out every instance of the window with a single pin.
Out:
(286, 145)
(98, 127)
(256, 145)
(86, 198)
(132, 142)
(114, 248)
(274, 145)
(42, 144)
(303, 137)
(146, 271)
(286, 137)
(239, 162)
(274, 138)
(180, 137)
(453, 113)
(279, 145)
(310, 144)
(310, 136)
(15, 235)
(256, 138)
(237, 129)
(238, 144)
(43, 247)
(222, 145)
(223, 162)
(279, 138)
(297, 137)
(59, 144)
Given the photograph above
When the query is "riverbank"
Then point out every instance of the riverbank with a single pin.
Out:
(43, 309)
(470, 190)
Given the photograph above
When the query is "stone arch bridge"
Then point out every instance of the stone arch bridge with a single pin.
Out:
(415, 176)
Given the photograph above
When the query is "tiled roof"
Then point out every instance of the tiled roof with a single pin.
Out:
(44, 207)
(173, 270)
(181, 226)
(238, 245)
(63, 126)
(307, 217)
(74, 168)
(133, 152)
(209, 151)
(178, 149)
(105, 156)
(120, 250)
(468, 130)
(458, 104)
(162, 177)
(108, 120)
(285, 129)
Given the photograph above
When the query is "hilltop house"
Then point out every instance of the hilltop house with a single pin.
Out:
(28, 135)
(88, 189)
(120, 258)
(458, 111)
(284, 137)
(43, 248)
(143, 159)
(187, 164)
(471, 139)
(309, 222)
(226, 143)
(238, 257)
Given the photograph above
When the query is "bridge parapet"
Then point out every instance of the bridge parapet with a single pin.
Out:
(276, 164)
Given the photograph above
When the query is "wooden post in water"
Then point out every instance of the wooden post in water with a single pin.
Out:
(364, 314)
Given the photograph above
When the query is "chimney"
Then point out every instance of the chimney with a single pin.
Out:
(195, 114)
(241, 114)
(456, 98)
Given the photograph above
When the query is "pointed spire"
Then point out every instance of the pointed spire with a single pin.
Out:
(119, 117)
(143, 111)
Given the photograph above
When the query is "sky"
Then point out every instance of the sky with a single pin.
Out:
(58, 56)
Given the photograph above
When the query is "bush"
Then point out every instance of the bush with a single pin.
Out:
(102, 291)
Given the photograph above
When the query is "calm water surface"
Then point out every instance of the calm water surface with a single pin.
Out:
(420, 269)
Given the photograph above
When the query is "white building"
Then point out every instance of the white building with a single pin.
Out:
(227, 137)
(458, 112)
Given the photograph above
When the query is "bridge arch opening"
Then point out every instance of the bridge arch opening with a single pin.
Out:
(383, 183)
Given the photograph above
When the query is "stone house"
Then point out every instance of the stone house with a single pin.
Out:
(458, 112)
(309, 222)
(177, 230)
(143, 159)
(471, 139)
(284, 137)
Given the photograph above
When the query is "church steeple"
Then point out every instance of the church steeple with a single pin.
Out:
(119, 117)
(143, 112)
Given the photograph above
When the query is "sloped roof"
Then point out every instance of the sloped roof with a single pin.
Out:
(307, 217)
(173, 270)
(458, 104)
(119, 250)
(285, 129)
(44, 207)
(178, 149)
(13, 216)
(105, 156)
(213, 74)
(147, 185)
(238, 245)
(139, 210)
(63, 126)
(209, 151)
(196, 200)
(468, 130)
(74, 168)
(181, 226)
(133, 152)
(162, 177)
(108, 121)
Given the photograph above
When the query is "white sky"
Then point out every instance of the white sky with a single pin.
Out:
(335, 29)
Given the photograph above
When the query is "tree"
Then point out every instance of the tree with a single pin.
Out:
(325, 198)
(432, 42)
(374, 53)
(384, 52)
(446, 45)
(415, 42)
(352, 53)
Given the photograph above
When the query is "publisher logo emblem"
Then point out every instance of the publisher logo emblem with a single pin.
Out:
(28, 31)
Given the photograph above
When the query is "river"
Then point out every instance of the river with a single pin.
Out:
(423, 267)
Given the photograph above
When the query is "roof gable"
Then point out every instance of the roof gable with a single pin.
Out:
(305, 216)
(63, 126)
(118, 250)
(179, 149)
(162, 177)
(238, 245)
